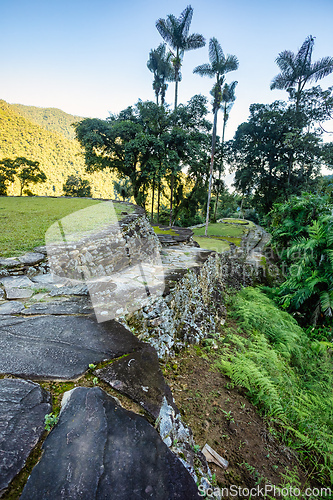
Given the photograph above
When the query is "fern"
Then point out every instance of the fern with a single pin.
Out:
(286, 373)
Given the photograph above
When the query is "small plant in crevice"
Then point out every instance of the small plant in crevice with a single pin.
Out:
(50, 420)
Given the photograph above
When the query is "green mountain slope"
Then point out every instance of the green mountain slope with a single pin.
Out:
(59, 156)
(51, 119)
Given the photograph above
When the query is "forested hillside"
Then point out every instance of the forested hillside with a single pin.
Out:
(45, 138)
(52, 119)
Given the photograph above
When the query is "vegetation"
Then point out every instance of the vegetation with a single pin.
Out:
(171, 162)
(289, 376)
(223, 230)
(175, 31)
(51, 119)
(217, 67)
(75, 186)
(25, 220)
(160, 65)
(26, 171)
(59, 157)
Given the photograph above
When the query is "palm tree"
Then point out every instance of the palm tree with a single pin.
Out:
(218, 66)
(297, 69)
(160, 65)
(175, 32)
(228, 98)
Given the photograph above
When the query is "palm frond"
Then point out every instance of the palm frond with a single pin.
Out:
(185, 20)
(194, 41)
(282, 82)
(231, 63)
(204, 70)
(303, 57)
(163, 27)
(321, 68)
(215, 52)
(286, 61)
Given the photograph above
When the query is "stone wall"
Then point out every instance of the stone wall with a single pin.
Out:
(195, 308)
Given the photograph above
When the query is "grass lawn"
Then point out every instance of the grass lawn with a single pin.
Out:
(158, 230)
(222, 230)
(212, 244)
(217, 231)
(24, 220)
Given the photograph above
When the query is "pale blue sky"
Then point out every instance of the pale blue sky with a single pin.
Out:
(89, 57)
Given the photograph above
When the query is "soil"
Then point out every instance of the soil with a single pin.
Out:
(220, 415)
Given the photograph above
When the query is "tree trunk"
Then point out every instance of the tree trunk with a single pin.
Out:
(152, 202)
(211, 169)
(220, 167)
(171, 199)
(158, 201)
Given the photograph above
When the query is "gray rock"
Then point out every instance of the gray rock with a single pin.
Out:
(11, 262)
(23, 406)
(69, 290)
(139, 376)
(42, 249)
(31, 258)
(44, 279)
(16, 281)
(99, 450)
(13, 293)
(75, 305)
(60, 347)
(11, 308)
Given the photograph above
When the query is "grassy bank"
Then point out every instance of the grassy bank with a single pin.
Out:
(24, 220)
(221, 234)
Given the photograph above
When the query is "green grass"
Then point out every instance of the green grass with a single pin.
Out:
(158, 230)
(222, 230)
(237, 221)
(24, 220)
(212, 244)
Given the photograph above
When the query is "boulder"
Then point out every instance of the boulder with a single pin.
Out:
(100, 450)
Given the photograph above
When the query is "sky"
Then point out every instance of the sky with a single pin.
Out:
(89, 58)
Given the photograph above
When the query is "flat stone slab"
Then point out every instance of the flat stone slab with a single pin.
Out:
(139, 376)
(75, 305)
(10, 262)
(98, 450)
(13, 293)
(69, 290)
(31, 258)
(44, 279)
(11, 308)
(60, 347)
(23, 406)
(16, 281)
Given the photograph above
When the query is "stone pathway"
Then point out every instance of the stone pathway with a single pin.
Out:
(48, 331)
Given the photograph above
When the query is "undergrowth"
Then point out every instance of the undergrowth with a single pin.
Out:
(286, 373)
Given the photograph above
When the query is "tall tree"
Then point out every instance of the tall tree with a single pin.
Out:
(297, 69)
(159, 63)
(77, 187)
(176, 33)
(7, 172)
(260, 153)
(228, 98)
(27, 171)
(218, 66)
